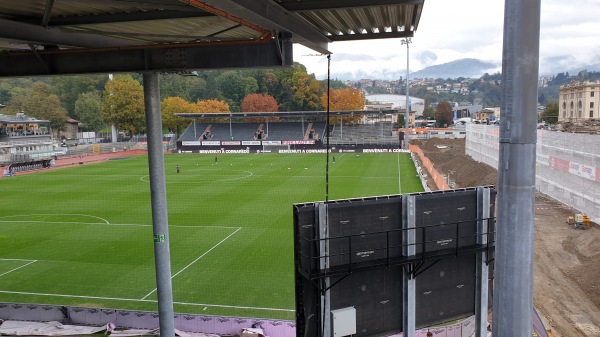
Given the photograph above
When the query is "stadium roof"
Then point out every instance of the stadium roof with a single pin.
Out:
(285, 114)
(20, 118)
(47, 37)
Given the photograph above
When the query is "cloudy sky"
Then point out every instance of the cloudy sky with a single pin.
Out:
(455, 29)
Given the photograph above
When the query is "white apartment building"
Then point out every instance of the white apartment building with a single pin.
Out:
(579, 101)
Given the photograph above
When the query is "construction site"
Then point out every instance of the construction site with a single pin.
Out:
(566, 293)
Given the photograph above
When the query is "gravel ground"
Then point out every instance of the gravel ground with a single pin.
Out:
(567, 260)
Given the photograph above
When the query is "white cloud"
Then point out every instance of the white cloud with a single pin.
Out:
(451, 30)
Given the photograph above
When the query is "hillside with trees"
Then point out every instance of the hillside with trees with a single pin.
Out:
(97, 102)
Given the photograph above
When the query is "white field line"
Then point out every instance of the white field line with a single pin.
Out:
(142, 300)
(196, 260)
(3, 259)
(26, 215)
(25, 265)
(249, 174)
(399, 183)
(108, 224)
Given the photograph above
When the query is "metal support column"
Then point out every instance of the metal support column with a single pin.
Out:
(407, 41)
(321, 210)
(481, 265)
(409, 238)
(513, 281)
(158, 191)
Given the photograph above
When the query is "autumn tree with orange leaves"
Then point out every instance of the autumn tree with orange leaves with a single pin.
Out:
(211, 106)
(259, 103)
(171, 106)
(344, 100)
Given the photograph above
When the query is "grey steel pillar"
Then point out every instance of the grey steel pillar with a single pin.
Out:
(513, 282)
(158, 191)
(409, 238)
(113, 128)
(481, 266)
(323, 217)
(407, 41)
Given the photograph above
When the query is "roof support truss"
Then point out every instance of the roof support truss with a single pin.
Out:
(175, 58)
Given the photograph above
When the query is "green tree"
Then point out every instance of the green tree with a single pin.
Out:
(88, 110)
(40, 103)
(232, 87)
(429, 112)
(189, 88)
(270, 83)
(123, 104)
(444, 114)
(69, 88)
(251, 86)
(550, 114)
(401, 121)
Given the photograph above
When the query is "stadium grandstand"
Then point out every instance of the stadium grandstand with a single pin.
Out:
(260, 131)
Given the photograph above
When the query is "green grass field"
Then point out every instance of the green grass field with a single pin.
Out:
(82, 236)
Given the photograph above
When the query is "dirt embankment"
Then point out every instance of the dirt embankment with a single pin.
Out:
(567, 260)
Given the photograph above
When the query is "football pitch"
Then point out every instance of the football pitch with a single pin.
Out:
(82, 236)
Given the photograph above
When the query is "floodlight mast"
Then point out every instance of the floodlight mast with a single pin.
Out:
(407, 42)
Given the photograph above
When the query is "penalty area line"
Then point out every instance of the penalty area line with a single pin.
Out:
(196, 260)
(139, 300)
(25, 265)
(106, 224)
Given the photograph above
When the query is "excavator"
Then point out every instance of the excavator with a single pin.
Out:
(579, 221)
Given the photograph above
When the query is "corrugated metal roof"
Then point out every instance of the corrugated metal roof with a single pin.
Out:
(359, 19)
(119, 23)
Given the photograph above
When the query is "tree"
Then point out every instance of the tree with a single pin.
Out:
(190, 88)
(232, 87)
(251, 86)
(344, 100)
(123, 104)
(259, 103)
(306, 90)
(429, 112)
(550, 114)
(88, 110)
(401, 121)
(210, 105)
(69, 88)
(269, 83)
(444, 114)
(40, 103)
(169, 107)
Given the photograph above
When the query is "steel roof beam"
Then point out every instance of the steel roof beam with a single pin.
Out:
(127, 17)
(37, 34)
(369, 36)
(140, 4)
(47, 12)
(313, 5)
(271, 16)
(175, 58)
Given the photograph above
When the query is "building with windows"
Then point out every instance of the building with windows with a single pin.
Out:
(578, 101)
(26, 141)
